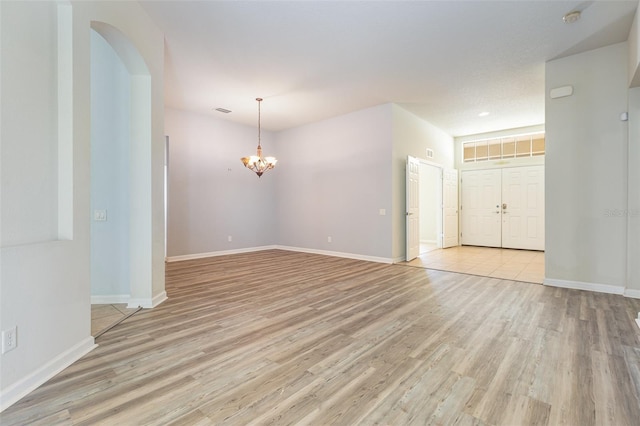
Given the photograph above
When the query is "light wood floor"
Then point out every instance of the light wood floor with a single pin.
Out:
(105, 316)
(278, 337)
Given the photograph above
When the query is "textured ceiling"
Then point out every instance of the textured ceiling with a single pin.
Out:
(445, 61)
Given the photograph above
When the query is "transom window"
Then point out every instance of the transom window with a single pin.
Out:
(529, 145)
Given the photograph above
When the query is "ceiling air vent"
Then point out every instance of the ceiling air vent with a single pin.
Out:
(223, 110)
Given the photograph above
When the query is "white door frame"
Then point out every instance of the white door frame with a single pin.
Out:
(412, 188)
(450, 220)
(413, 211)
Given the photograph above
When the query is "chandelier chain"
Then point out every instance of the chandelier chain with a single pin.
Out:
(259, 101)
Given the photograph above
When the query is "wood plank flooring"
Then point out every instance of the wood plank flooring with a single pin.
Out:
(106, 316)
(280, 338)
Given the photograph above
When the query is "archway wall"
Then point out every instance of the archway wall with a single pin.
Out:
(110, 174)
(140, 46)
(45, 281)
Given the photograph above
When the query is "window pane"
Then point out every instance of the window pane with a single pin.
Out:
(523, 146)
(495, 149)
(538, 144)
(508, 147)
(469, 152)
(481, 151)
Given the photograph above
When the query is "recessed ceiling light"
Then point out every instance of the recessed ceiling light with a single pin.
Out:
(483, 114)
(223, 110)
(571, 17)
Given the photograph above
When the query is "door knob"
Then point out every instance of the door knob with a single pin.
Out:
(504, 206)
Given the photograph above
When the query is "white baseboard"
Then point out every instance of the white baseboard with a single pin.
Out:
(337, 254)
(630, 292)
(28, 384)
(428, 241)
(578, 285)
(217, 253)
(287, 248)
(148, 303)
(109, 299)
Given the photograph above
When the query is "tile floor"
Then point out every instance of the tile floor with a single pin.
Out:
(105, 316)
(517, 265)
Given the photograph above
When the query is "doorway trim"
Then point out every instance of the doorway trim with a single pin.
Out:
(413, 192)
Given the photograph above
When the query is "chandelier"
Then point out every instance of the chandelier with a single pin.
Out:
(258, 163)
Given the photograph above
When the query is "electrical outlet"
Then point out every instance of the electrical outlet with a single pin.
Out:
(329, 239)
(9, 339)
(229, 238)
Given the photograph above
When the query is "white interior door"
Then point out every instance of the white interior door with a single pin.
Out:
(523, 208)
(413, 207)
(449, 208)
(481, 205)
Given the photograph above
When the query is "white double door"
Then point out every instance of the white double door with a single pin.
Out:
(503, 208)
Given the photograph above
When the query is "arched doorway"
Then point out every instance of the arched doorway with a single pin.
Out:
(121, 234)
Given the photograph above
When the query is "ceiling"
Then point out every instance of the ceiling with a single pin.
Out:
(444, 61)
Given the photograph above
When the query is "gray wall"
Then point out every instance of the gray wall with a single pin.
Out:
(633, 209)
(30, 122)
(110, 162)
(334, 177)
(412, 136)
(332, 180)
(634, 53)
(46, 104)
(586, 169)
(211, 195)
